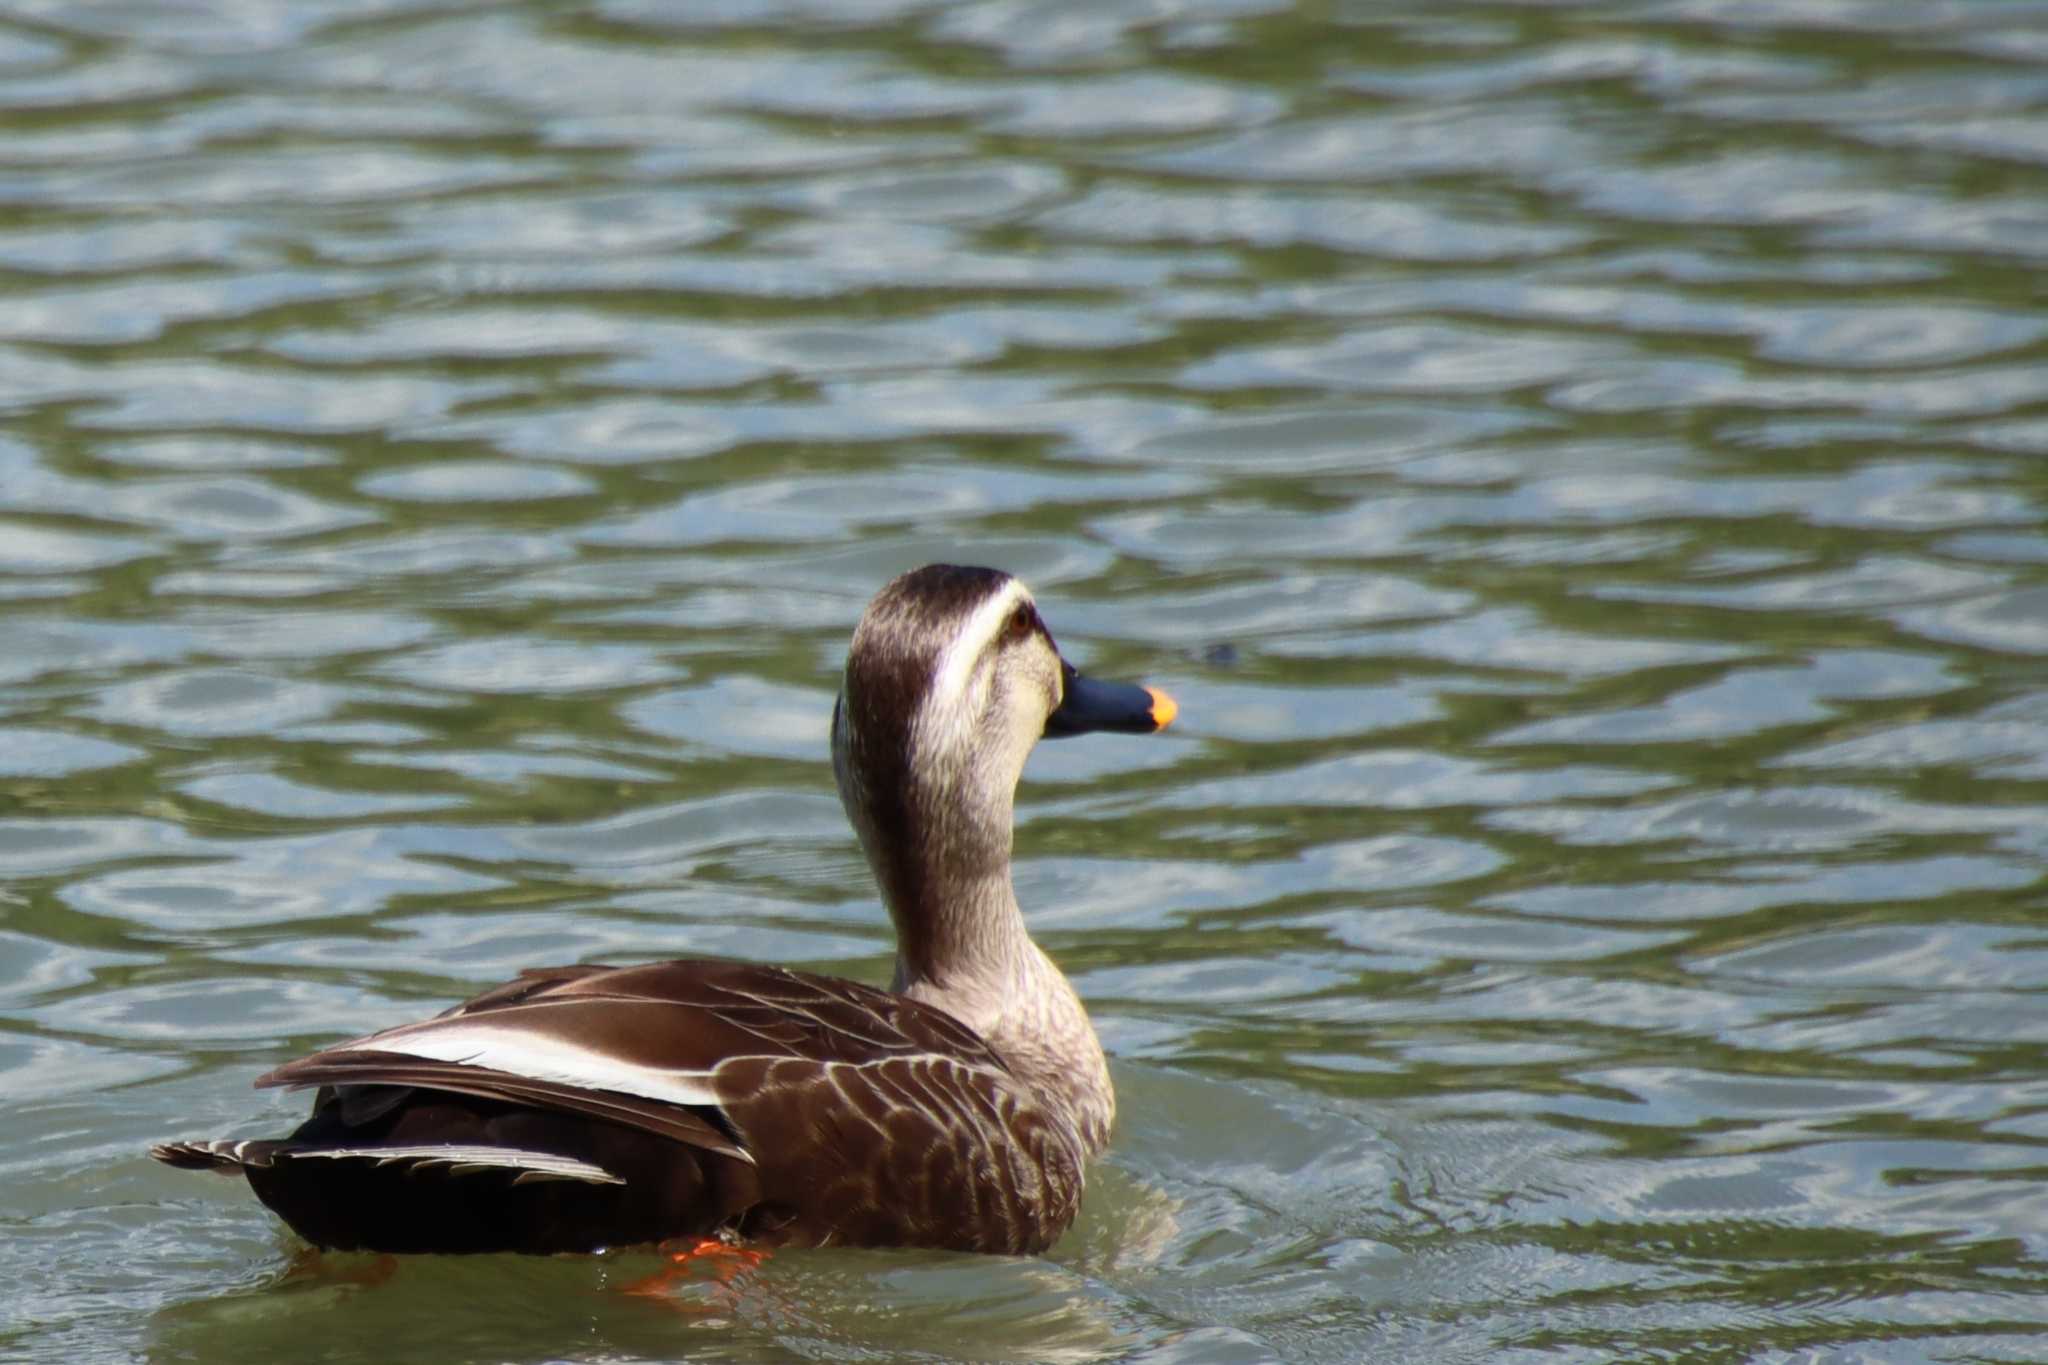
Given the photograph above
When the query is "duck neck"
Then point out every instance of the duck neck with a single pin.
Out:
(937, 835)
(956, 932)
(962, 946)
(972, 957)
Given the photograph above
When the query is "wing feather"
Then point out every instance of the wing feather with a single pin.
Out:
(335, 1067)
(673, 1048)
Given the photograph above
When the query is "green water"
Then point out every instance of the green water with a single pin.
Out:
(1579, 466)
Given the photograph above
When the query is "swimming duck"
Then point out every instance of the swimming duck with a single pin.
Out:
(579, 1108)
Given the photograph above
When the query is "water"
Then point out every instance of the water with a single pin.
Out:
(1580, 467)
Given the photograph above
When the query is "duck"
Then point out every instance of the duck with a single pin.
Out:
(728, 1103)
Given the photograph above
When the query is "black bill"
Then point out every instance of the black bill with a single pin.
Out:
(1123, 707)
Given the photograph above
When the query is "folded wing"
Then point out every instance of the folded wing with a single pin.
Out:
(682, 1098)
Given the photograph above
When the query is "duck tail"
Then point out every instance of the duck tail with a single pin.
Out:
(221, 1156)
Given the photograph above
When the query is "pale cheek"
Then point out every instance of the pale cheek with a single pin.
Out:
(1025, 720)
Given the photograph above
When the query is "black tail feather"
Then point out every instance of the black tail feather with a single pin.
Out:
(220, 1156)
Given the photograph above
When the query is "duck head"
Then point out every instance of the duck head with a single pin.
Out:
(951, 680)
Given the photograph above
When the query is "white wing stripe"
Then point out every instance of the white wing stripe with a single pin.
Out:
(470, 1159)
(542, 1058)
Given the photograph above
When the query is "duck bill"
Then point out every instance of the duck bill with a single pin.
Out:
(1125, 708)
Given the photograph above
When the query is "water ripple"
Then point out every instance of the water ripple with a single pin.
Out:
(1576, 465)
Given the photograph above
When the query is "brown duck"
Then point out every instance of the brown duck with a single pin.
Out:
(587, 1107)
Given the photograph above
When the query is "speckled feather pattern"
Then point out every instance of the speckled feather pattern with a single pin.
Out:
(870, 1119)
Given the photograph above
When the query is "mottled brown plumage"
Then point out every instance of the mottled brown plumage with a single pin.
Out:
(583, 1107)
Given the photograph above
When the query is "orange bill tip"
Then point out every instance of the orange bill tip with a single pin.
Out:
(1164, 708)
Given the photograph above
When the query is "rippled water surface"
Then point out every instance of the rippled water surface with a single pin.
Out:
(1580, 467)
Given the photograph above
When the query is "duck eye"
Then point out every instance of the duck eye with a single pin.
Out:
(1023, 623)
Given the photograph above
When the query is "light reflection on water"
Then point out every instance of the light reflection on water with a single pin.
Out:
(1577, 466)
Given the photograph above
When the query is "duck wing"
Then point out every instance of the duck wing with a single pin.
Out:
(686, 1098)
(665, 1047)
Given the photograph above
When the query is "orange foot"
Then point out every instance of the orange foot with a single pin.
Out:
(723, 1262)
